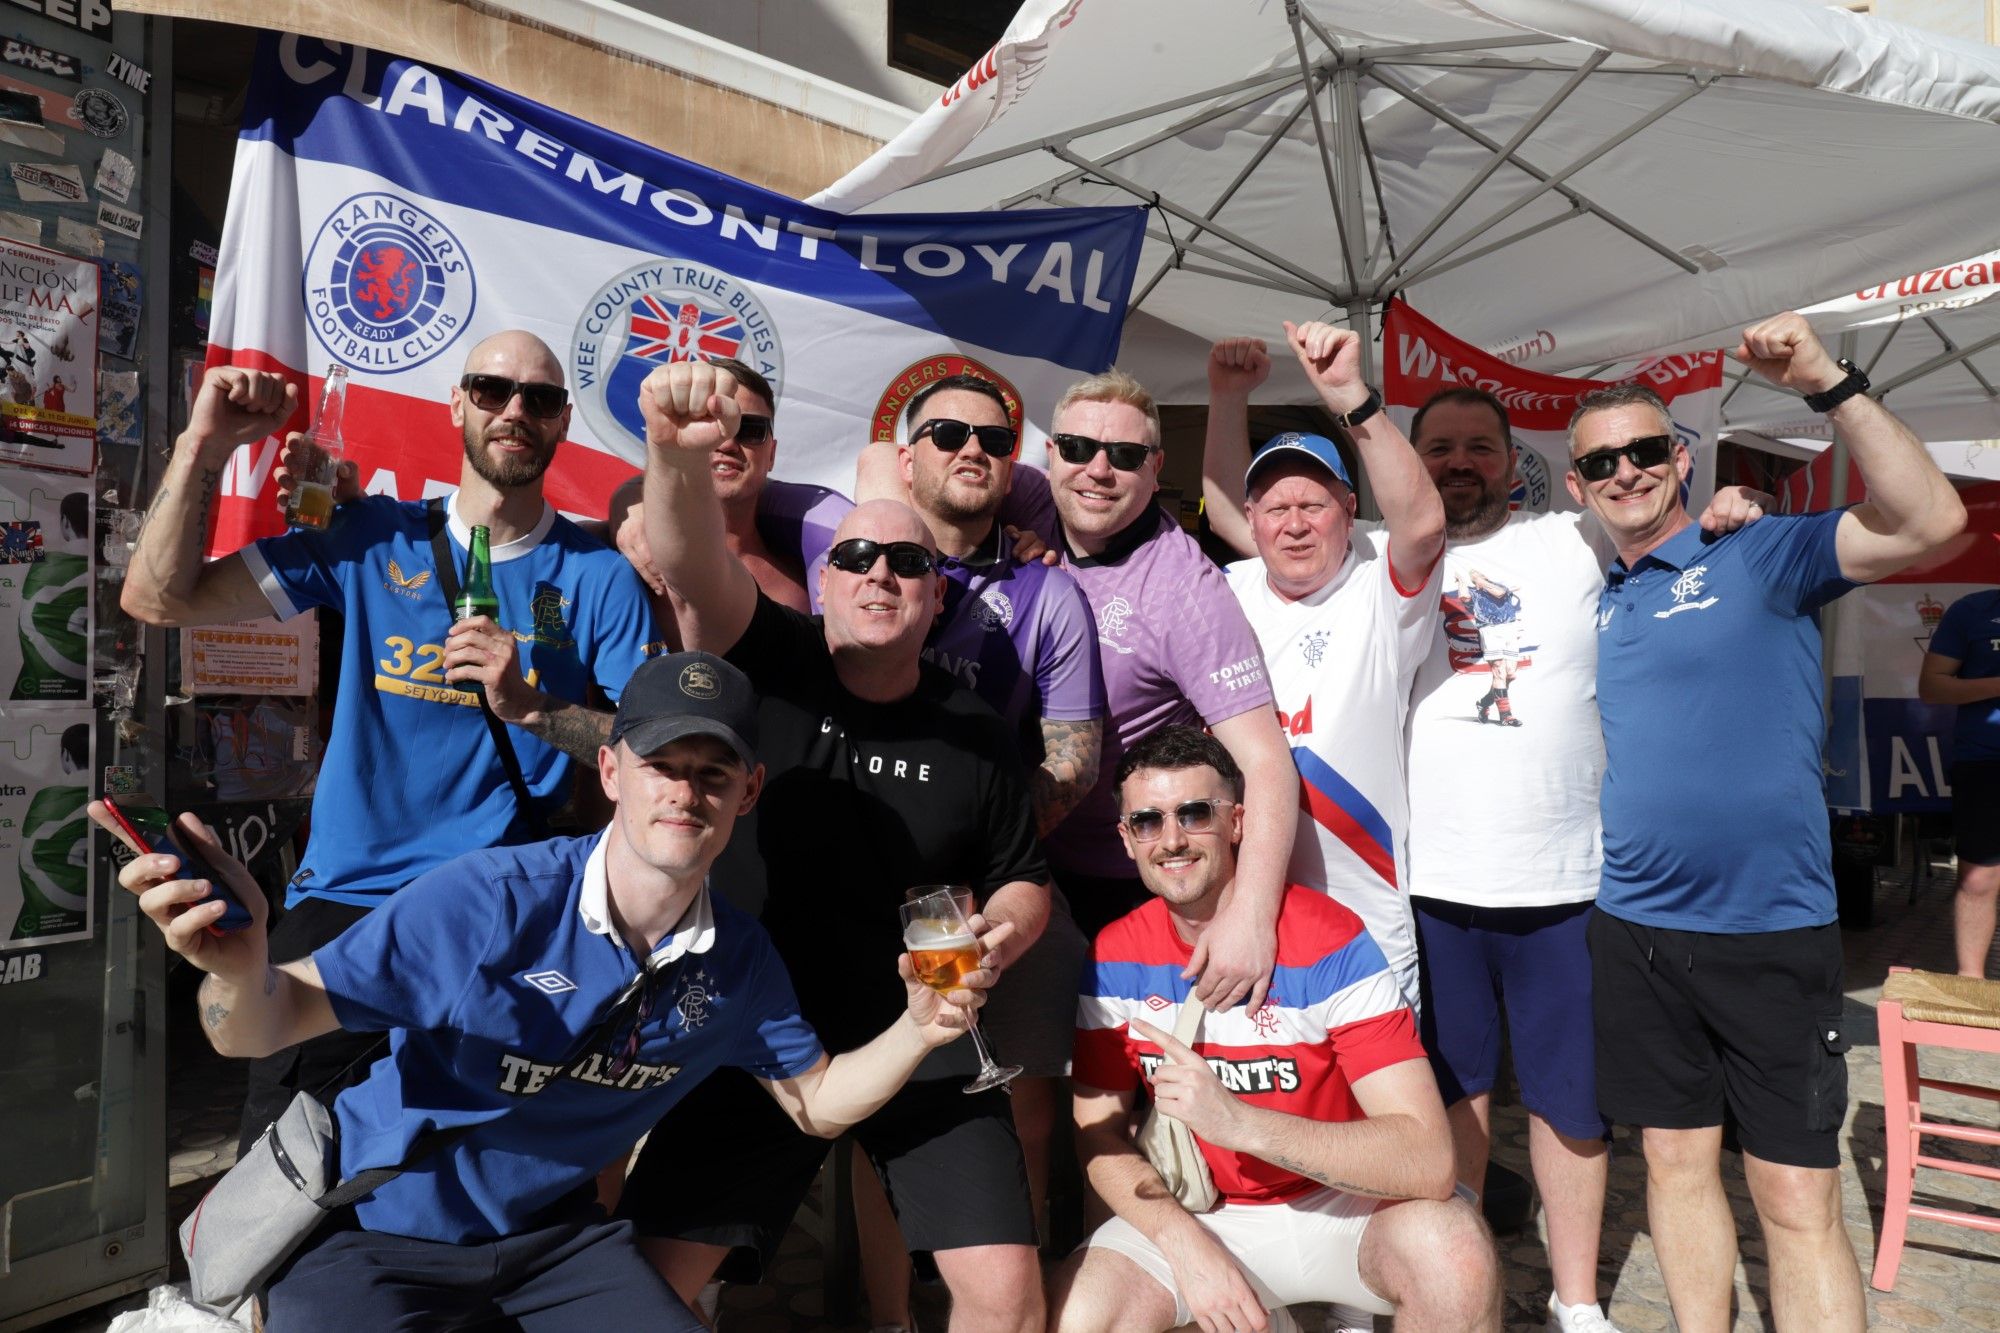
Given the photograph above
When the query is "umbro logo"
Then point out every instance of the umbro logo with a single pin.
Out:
(1158, 1002)
(550, 982)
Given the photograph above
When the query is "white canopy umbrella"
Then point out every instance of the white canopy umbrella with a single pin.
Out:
(1562, 181)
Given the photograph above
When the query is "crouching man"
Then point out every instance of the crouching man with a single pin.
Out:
(555, 999)
(1316, 1114)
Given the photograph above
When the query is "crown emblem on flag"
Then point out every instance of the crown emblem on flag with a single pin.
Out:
(1930, 611)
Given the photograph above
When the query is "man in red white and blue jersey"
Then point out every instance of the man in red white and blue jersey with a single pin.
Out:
(1315, 1113)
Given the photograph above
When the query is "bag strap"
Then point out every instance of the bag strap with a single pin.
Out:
(366, 1183)
(1188, 1021)
(447, 577)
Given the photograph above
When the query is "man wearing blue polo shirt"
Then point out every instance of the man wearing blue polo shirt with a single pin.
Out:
(1715, 957)
(547, 1002)
(1962, 667)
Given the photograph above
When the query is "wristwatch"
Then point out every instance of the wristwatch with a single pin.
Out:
(1371, 405)
(1828, 399)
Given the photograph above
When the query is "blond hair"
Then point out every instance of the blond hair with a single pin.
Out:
(1113, 386)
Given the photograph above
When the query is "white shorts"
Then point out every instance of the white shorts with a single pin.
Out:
(1304, 1249)
(1501, 642)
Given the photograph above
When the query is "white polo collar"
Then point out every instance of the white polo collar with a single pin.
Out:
(693, 933)
(461, 532)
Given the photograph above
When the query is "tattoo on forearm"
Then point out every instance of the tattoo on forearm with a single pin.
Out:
(1345, 1186)
(206, 488)
(214, 1016)
(1068, 770)
(575, 730)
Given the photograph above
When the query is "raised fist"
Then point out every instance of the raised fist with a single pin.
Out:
(689, 405)
(1236, 366)
(1331, 358)
(237, 406)
(1785, 350)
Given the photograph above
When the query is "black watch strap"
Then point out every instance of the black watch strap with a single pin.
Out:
(1828, 399)
(1368, 408)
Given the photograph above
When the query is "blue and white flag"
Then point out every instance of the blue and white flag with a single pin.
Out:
(387, 216)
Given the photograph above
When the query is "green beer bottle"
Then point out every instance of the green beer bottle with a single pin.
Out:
(476, 596)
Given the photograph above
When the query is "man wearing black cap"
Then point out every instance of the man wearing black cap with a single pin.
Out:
(549, 1002)
(1344, 626)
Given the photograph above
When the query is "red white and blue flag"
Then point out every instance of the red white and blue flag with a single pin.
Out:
(387, 216)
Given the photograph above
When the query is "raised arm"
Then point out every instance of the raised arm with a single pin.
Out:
(689, 407)
(1411, 509)
(1912, 508)
(1070, 755)
(1236, 366)
(878, 473)
(248, 1007)
(168, 582)
(1401, 1151)
(1236, 954)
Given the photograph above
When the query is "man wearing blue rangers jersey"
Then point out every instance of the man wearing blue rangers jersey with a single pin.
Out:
(412, 776)
(548, 1003)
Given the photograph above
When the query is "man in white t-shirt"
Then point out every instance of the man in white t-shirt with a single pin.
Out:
(1343, 624)
(1504, 835)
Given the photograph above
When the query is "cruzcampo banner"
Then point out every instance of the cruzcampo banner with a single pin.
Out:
(386, 216)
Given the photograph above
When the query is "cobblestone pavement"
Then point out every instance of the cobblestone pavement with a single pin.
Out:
(1949, 1277)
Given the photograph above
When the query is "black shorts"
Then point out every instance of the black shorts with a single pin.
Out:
(1745, 1031)
(727, 1167)
(1975, 799)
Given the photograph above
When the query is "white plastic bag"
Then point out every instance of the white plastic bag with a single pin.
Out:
(168, 1310)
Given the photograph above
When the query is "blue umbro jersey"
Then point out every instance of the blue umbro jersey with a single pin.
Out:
(410, 776)
(493, 989)
(1970, 632)
(1709, 684)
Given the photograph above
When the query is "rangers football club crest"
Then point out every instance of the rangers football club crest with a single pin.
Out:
(387, 285)
(912, 379)
(655, 314)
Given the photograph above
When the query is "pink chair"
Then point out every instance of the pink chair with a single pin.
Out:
(1929, 1009)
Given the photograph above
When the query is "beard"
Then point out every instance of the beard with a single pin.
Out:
(505, 471)
(935, 495)
(1484, 514)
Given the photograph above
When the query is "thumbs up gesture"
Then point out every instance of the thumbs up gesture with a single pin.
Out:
(1185, 1088)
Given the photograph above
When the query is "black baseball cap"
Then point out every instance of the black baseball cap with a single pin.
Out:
(687, 694)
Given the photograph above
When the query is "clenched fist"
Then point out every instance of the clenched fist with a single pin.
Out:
(689, 406)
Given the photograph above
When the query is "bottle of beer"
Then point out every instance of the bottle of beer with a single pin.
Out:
(475, 595)
(312, 494)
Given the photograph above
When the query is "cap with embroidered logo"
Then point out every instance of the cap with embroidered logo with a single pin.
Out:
(1297, 444)
(687, 694)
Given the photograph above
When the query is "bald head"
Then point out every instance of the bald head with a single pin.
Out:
(886, 521)
(517, 354)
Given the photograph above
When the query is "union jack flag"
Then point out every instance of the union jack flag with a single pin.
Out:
(661, 333)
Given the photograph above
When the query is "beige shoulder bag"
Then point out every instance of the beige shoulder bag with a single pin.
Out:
(1169, 1145)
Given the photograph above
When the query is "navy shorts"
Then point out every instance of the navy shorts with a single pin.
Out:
(1534, 963)
(1975, 796)
(727, 1167)
(1748, 1032)
(584, 1274)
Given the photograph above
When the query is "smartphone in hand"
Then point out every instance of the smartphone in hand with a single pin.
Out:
(121, 825)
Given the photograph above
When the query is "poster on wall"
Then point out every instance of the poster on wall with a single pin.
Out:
(268, 656)
(45, 533)
(48, 358)
(45, 842)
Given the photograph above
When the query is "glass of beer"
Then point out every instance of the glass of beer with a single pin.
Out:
(942, 950)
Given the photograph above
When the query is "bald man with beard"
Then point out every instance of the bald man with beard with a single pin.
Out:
(412, 774)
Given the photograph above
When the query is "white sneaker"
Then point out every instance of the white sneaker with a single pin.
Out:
(1578, 1319)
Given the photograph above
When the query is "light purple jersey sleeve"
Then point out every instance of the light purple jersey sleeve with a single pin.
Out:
(1068, 678)
(1213, 656)
(794, 516)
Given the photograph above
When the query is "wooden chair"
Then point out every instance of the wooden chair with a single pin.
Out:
(1929, 1009)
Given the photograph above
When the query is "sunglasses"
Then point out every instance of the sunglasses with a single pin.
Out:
(1125, 455)
(1646, 451)
(950, 436)
(623, 1028)
(1192, 816)
(752, 428)
(492, 393)
(857, 555)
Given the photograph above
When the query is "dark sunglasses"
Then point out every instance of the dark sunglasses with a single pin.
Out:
(624, 1027)
(753, 429)
(1646, 451)
(1192, 816)
(1125, 455)
(950, 436)
(492, 393)
(857, 555)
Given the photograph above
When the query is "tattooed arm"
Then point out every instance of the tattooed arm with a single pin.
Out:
(263, 1014)
(576, 730)
(168, 582)
(1070, 753)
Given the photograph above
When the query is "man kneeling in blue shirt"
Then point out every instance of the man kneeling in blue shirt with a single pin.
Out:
(556, 999)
